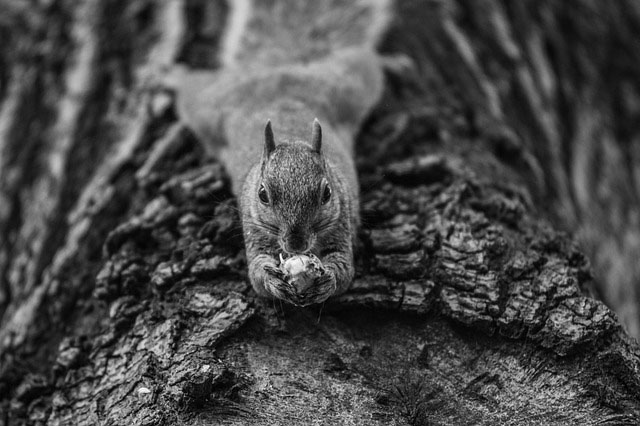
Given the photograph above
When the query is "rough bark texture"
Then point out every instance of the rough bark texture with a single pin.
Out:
(123, 288)
(554, 88)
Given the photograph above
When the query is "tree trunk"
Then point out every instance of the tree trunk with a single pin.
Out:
(123, 288)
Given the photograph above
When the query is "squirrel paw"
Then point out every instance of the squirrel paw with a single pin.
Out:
(323, 287)
(279, 285)
(276, 285)
(274, 271)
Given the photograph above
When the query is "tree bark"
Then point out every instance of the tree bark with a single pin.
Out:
(123, 289)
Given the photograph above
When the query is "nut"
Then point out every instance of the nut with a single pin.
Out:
(301, 270)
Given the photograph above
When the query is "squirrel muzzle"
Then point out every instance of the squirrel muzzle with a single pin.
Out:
(296, 242)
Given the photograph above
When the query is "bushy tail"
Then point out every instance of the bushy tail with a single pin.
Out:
(353, 83)
(270, 32)
(320, 53)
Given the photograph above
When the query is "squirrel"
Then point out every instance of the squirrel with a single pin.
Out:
(285, 135)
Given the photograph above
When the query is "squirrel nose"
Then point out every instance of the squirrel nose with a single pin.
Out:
(296, 243)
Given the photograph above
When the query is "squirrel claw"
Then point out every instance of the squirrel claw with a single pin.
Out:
(274, 271)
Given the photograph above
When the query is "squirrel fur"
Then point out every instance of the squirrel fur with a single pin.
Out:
(285, 135)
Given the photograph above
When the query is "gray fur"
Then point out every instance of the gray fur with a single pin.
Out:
(293, 175)
(228, 116)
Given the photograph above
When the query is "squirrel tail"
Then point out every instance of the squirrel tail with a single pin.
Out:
(356, 86)
(261, 32)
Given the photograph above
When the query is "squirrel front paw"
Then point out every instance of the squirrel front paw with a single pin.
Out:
(275, 283)
(301, 284)
(323, 287)
(283, 286)
(264, 274)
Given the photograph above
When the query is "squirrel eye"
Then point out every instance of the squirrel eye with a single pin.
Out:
(326, 195)
(262, 194)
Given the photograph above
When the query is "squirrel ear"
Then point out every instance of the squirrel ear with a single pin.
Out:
(316, 136)
(269, 143)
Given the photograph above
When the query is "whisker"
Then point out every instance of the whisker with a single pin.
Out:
(325, 226)
(320, 313)
(268, 228)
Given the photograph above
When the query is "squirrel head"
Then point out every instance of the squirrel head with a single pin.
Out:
(295, 197)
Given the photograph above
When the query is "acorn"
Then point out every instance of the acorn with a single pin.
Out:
(301, 270)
